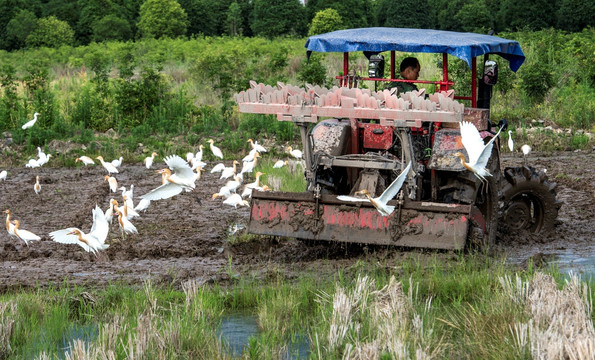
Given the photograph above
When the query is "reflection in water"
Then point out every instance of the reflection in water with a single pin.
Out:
(298, 347)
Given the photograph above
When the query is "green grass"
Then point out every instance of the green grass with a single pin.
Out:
(448, 308)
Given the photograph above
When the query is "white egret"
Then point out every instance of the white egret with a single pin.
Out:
(279, 164)
(224, 192)
(235, 200)
(24, 235)
(198, 155)
(44, 160)
(117, 162)
(91, 242)
(37, 186)
(113, 183)
(9, 225)
(149, 160)
(85, 160)
(32, 163)
(526, 149)
(3, 175)
(247, 167)
(30, 123)
(126, 227)
(215, 150)
(217, 168)
(296, 153)
(380, 202)
(256, 146)
(256, 182)
(250, 156)
(228, 172)
(182, 179)
(478, 152)
(510, 142)
(142, 205)
(108, 166)
(234, 184)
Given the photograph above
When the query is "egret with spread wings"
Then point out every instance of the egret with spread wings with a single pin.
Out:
(478, 152)
(182, 178)
(380, 202)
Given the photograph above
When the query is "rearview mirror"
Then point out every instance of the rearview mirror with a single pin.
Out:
(490, 73)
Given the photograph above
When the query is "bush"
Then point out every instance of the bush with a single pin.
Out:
(312, 71)
(51, 32)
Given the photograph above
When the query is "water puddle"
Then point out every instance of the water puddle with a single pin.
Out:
(582, 265)
(87, 333)
(237, 329)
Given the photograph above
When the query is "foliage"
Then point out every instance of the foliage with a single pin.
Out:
(326, 21)
(312, 71)
(111, 27)
(234, 19)
(354, 13)
(279, 17)
(92, 11)
(474, 17)
(19, 28)
(162, 18)
(404, 14)
(575, 15)
(51, 32)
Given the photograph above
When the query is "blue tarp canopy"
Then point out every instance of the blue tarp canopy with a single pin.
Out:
(378, 39)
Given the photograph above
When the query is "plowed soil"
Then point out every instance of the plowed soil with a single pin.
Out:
(188, 236)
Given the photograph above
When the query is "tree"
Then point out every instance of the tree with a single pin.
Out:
(64, 10)
(475, 17)
(159, 18)
(326, 21)
(9, 9)
(355, 13)
(278, 17)
(92, 11)
(404, 14)
(51, 32)
(234, 19)
(527, 15)
(111, 27)
(576, 15)
(19, 28)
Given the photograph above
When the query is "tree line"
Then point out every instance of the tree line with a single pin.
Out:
(52, 23)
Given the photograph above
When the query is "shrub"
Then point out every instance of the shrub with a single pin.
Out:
(51, 32)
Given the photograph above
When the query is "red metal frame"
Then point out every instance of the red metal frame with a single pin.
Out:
(443, 85)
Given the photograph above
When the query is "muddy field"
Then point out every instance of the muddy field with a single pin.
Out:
(187, 236)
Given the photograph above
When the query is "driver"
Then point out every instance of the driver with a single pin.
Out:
(409, 68)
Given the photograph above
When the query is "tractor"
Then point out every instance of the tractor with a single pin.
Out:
(355, 138)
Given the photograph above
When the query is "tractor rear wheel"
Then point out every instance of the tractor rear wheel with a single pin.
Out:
(528, 201)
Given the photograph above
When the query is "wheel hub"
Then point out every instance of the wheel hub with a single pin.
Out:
(518, 215)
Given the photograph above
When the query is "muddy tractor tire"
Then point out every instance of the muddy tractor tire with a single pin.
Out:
(528, 201)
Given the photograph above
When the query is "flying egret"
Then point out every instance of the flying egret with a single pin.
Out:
(24, 235)
(235, 200)
(280, 163)
(380, 202)
(91, 242)
(3, 175)
(117, 162)
(30, 123)
(215, 150)
(296, 153)
(85, 160)
(108, 166)
(256, 146)
(37, 186)
(510, 142)
(478, 152)
(526, 149)
(149, 160)
(182, 179)
(113, 183)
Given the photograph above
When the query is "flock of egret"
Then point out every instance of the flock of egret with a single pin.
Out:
(182, 175)
(179, 175)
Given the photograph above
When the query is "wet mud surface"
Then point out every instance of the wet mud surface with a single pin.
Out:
(188, 236)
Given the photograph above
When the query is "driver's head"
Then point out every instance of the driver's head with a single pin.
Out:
(410, 68)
